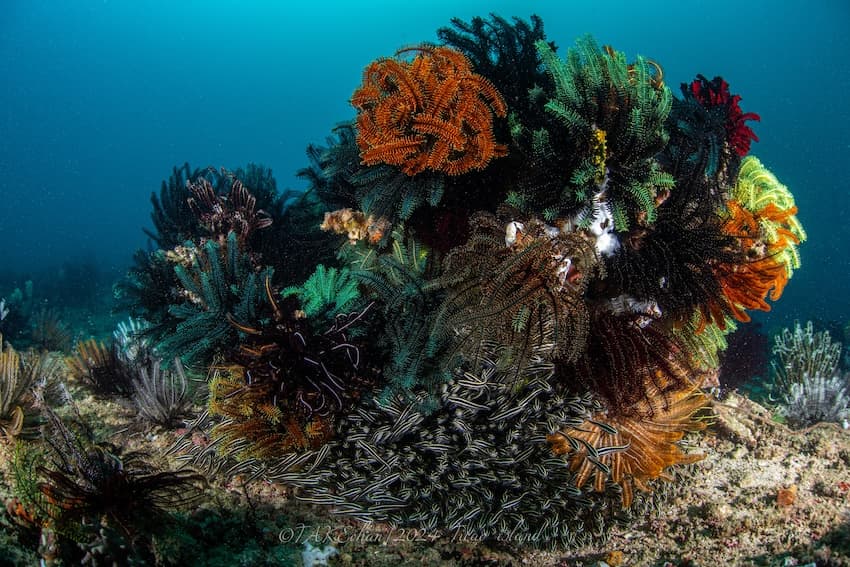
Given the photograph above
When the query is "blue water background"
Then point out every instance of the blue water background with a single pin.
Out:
(100, 99)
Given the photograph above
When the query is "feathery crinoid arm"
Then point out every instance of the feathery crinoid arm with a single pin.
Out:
(527, 297)
(172, 217)
(760, 216)
(326, 293)
(761, 193)
(504, 52)
(430, 116)
(219, 281)
(400, 282)
(614, 113)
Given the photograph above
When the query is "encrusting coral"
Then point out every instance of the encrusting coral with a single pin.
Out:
(356, 224)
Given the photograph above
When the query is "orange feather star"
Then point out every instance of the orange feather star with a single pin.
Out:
(747, 285)
(635, 448)
(429, 113)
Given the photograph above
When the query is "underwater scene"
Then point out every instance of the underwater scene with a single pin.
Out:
(450, 283)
